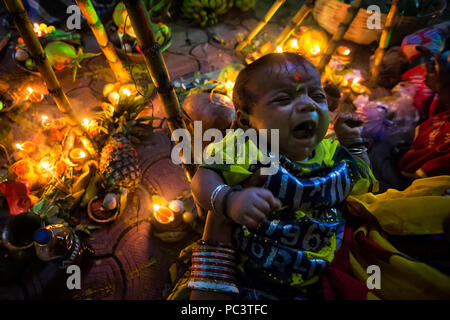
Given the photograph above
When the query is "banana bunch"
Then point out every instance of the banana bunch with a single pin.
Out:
(244, 5)
(205, 12)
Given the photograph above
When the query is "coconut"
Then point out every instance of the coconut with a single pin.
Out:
(110, 201)
(21, 55)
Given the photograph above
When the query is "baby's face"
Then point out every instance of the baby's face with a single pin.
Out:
(293, 101)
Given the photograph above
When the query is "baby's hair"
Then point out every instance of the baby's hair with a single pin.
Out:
(271, 63)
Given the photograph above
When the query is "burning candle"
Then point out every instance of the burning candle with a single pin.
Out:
(46, 164)
(42, 29)
(34, 96)
(126, 92)
(44, 121)
(294, 43)
(343, 50)
(315, 50)
(357, 87)
(163, 214)
(77, 155)
(279, 49)
(26, 147)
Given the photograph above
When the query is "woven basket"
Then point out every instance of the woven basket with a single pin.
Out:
(329, 13)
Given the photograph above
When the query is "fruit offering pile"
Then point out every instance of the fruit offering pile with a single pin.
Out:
(125, 37)
(207, 12)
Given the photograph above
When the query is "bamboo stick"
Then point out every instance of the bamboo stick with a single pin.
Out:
(384, 41)
(88, 10)
(294, 23)
(260, 25)
(23, 24)
(339, 35)
(156, 66)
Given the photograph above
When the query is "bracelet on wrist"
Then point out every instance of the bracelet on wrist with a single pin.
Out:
(225, 199)
(214, 195)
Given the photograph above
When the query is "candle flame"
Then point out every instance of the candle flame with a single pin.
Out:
(29, 89)
(315, 50)
(19, 146)
(88, 124)
(44, 120)
(127, 92)
(294, 43)
(279, 49)
(82, 154)
(163, 216)
(347, 52)
(46, 164)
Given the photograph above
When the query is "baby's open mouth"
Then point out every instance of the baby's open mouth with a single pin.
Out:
(305, 130)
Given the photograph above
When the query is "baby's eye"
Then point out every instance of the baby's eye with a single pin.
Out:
(281, 99)
(317, 96)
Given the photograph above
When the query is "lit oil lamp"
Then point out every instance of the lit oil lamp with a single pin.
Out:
(315, 50)
(46, 164)
(42, 29)
(163, 214)
(34, 96)
(167, 224)
(90, 126)
(77, 155)
(45, 121)
(279, 49)
(294, 44)
(357, 87)
(343, 54)
(126, 92)
(27, 147)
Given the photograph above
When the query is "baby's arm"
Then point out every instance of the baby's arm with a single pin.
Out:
(247, 207)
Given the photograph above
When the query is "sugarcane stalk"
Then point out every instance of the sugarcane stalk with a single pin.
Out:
(339, 35)
(260, 25)
(151, 50)
(293, 24)
(384, 41)
(88, 10)
(34, 47)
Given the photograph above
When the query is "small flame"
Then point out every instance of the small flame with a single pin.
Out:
(82, 154)
(294, 43)
(127, 92)
(356, 80)
(44, 120)
(162, 214)
(347, 52)
(279, 49)
(46, 164)
(29, 89)
(315, 50)
(19, 146)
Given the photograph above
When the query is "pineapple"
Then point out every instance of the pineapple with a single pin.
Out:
(119, 163)
(121, 126)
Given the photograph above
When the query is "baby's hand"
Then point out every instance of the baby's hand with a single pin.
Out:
(250, 206)
(348, 129)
